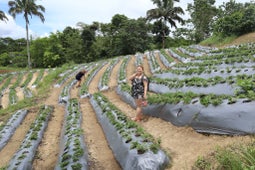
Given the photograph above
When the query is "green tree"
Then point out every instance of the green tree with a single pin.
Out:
(3, 16)
(48, 51)
(235, 19)
(4, 59)
(160, 30)
(122, 36)
(88, 36)
(184, 33)
(37, 50)
(102, 46)
(72, 44)
(133, 37)
(14, 48)
(202, 13)
(27, 8)
(165, 13)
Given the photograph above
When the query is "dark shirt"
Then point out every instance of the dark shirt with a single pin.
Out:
(79, 75)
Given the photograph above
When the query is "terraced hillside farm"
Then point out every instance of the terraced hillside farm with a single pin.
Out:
(200, 98)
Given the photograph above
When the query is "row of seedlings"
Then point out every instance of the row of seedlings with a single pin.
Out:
(24, 157)
(229, 110)
(203, 49)
(7, 130)
(217, 85)
(73, 152)
(94, 68)
(183, 59)
(104, 80)
(139, 59)
(191, 52)
(212, 114)
(13, 98)
(122, 70)
(26, 91)
(132, 146)
(165, 58)
(153, 63)
(224, 61)
(180, 53)
(65, 92)
(205, 72)
(5, 87)
(38, 78)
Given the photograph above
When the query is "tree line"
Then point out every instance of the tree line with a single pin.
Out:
(162, 27)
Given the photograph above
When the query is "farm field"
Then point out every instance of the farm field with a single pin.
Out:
(181, 142)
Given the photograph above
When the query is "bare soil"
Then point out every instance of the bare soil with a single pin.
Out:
(182, 144)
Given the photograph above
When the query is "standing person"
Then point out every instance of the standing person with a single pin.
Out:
(139, 90)
(79, 76)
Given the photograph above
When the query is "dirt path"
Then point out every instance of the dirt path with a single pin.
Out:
(47, 154)
(13, 145)
(35, 75)
(100, 155)
(130, 71)
(5, 97)
(146, 67)
(162, 66)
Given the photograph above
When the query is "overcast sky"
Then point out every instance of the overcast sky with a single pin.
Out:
(62, 13)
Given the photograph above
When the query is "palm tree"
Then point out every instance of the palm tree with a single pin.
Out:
(2, 16)
(27, 8)
(165, 13)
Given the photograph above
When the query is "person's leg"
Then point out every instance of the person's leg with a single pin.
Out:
(139, 114)
(79, 83)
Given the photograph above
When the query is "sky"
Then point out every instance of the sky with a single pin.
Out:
(62, 13)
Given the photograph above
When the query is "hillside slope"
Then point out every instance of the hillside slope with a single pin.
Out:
(183, 144)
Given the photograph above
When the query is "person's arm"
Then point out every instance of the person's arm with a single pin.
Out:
(132, 77)
(145, 83)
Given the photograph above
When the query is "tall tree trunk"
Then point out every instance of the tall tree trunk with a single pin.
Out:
(163, 39)
(28, 50)
(164, 33)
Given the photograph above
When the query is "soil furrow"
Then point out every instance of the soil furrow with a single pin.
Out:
(13, 145)
(100, 154)
(130, 67)
(162, 66)
(146, 67)
(5, 97)
(47, 153)
(35, 75)
(93, 86)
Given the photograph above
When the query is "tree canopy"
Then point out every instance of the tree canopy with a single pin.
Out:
(125, 36)
(27, 8)
(165, 13)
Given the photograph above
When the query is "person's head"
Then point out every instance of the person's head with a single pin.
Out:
(139, 69)
(84, 71)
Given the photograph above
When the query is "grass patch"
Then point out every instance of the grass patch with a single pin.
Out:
(239, 156)
(218, 40)
(28, 102)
